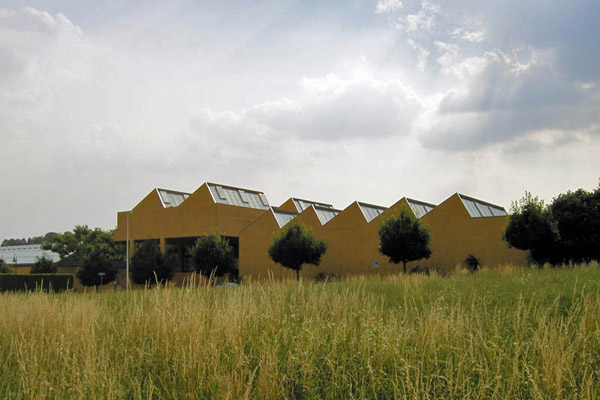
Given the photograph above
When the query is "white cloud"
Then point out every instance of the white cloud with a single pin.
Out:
(330, 109)
(468, 35)
(506, 99)
(98, 107)
(386, 6)
(424, 20)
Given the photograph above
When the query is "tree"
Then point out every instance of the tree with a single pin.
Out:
(149, 264)
(96, 261)
(213, 256)
(577, 219)
(295, 246)
(31, 240)
(4, 268)
(402, 238)
(82, 240)
(95, 248)
(531, 227)
(43, 265)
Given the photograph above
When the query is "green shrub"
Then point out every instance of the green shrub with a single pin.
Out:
(5, 268)
(47, 282)
(323, 277)
(402, 238)
(213, 255)
(94, 262)
(295, 246)
(43, 265)
(472, 263)
(148, 264)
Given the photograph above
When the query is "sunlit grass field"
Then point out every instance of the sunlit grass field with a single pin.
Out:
(504, 334)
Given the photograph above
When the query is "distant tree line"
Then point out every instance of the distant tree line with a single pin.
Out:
(32, 240)
(564, 231)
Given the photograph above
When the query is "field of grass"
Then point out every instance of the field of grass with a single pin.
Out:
(504, 334)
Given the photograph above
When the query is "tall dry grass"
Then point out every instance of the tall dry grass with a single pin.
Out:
(518, 334)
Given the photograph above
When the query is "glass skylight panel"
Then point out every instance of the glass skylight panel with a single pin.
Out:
(263, 198)
(220, 192)
(299, 205)
(283, 218)
(243, 196)
(325, 215)
(477, 209)
(371, 212)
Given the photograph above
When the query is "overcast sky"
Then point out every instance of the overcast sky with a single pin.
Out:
(337, 101)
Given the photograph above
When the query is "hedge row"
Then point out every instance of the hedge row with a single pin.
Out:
(47, 282)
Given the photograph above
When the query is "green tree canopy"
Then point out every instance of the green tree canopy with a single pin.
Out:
(96, 261)
(212, 255)
(402, 238)
(577, 217)
(96, 249)
(531, 227)
(149, 264)
(295, 246)
(31, 240)
(4, 268)
(82, 240)
(43, 265)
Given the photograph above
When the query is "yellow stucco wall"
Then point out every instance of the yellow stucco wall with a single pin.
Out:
(198, 215)
(255, 240)
(353, 243)
(455, 235)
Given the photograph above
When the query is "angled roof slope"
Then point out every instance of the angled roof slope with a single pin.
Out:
(326, 213)
(283, 217)
(302, 205)
(171, 198)
(480, 209)
(238, 197)
(371, 211)
(420, 208)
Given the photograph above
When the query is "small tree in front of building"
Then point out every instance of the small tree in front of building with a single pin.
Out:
(212, 255)
(96, 261)
(43, 265)
(149, 264)
(295, 246)
(403, 239)
(4, 268)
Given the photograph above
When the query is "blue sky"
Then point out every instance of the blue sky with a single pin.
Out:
(333, 101)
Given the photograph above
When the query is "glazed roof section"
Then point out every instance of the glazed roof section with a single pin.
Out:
(25, 254)
(481, 209)
(371, 211)
(302, 205)
(172, 198)
(325, 214)
(420, 208)
(238, 197)
(283, 217)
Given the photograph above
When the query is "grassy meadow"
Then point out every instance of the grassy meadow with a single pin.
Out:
(499, 334)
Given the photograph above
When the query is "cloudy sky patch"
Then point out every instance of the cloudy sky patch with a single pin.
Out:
(336, 101)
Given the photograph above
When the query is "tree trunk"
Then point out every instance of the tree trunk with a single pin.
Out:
(404, 262)
(297, 275)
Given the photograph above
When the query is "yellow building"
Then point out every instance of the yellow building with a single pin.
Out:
(177, 219)
(351, 235)
(353, 238)
(257, 237)
(460, 226)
